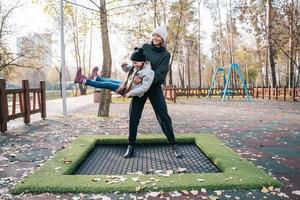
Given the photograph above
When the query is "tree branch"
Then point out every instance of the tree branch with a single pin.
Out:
(286, 54)
(76, 4)
(128, 5)
(17, 5)
(95, 4)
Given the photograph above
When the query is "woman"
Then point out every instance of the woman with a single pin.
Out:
(159, 59)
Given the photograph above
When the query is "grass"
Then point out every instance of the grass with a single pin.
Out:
(56, 175)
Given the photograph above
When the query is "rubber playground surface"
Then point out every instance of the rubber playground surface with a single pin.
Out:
(266, 133)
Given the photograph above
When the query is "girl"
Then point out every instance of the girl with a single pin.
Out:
(140, 68)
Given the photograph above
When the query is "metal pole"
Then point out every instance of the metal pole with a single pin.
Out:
(62, 43)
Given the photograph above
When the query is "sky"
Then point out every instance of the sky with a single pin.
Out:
(30, 19)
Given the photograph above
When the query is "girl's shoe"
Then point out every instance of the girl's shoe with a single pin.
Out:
(94, 73)
(80, 79)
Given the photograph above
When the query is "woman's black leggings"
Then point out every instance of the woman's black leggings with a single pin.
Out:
(159, 105)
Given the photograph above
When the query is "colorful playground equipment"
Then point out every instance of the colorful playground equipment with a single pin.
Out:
(228, 92)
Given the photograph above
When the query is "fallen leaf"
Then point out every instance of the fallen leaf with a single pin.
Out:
(168, 173)
(175, 194)
(181, 169)
(185, 192)
(67, 161)
(203, 190)
(194, 192)
(211, 197)
(264, 190)
(283, 178)
(115, 179)
(281, 194)
(136, 173)
(135, 179)
(153, 194)
(270, 188)
(138, 188)
(296, 192)
(105, 198)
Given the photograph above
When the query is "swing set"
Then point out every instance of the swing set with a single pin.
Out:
(226, 91)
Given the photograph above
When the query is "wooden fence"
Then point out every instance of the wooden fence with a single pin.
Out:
(284, 94)
(28, 100)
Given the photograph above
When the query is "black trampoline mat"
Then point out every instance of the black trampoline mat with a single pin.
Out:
(149, 158)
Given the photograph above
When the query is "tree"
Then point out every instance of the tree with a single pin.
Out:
(270, 42)
(10, 62)
(105, 96)
(181, 17)
(199, 44)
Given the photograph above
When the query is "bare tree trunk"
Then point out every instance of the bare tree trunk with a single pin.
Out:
(246, 74)
(228, 33)
(270, 44)
(83, 54)
(261, 64)
(82, 89)
(199, 44)
(180, 68)
(231, 33)
(287, 80)
(175, 46)
(291, 54)
(190, 49)
(75, 39)
(181, 75)
(188, 69)
(267, 67)
(91, 45)
(164, 11)
(220, 34)
(105, 96)
(298, 76)
(155, 13)
(230, 43)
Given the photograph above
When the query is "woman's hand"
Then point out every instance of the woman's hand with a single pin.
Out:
(127, 94)
(137, 80)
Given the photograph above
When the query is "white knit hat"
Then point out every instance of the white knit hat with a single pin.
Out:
(162, 31)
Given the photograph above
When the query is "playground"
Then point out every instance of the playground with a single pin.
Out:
(149, 100)
(270, 141)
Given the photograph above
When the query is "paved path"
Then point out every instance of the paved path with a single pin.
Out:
(54, 108)
(267, 133)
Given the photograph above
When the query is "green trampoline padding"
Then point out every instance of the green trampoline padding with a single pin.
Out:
(55, 175)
